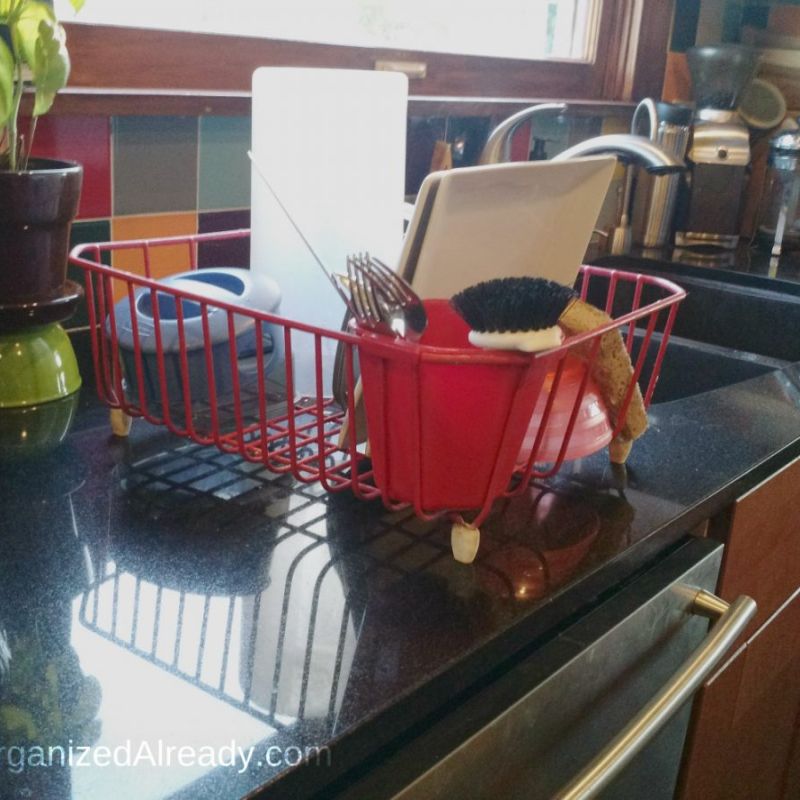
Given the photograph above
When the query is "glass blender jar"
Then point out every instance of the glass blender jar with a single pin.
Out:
(779, 225)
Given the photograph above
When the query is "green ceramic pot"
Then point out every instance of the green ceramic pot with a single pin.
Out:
(37, 366)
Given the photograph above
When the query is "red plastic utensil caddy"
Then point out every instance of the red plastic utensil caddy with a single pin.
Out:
(451, 428)
(466, 409)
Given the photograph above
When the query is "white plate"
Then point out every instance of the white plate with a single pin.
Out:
(479, 223)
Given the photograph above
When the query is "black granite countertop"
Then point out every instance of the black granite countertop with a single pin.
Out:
(173, 607)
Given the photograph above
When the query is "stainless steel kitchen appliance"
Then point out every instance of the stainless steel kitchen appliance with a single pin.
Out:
(779, 222)
(602, 710)
(719, 153)
(656, 195)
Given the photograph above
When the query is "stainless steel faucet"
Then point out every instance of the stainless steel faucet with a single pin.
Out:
(627, 147)
(498, 146)
(630, 148)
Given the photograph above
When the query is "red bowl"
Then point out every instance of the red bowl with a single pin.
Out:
(592, 431)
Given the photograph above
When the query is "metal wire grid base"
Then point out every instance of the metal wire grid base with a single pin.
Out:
(332, 547)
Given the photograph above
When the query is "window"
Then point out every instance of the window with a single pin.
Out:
(522, 29)
(527, 49)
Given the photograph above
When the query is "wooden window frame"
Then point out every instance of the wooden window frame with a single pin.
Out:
(630, 59)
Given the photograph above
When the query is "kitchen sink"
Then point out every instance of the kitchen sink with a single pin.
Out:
(730, 328)
(690, 368)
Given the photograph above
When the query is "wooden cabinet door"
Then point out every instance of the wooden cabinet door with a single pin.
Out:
(742, 731)
(762, 545)
(744, 740)
(791, 789)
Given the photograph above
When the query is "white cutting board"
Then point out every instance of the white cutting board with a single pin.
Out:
(332, 143)
(478, 223)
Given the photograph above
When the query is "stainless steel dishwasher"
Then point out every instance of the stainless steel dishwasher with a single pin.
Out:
(600, 710)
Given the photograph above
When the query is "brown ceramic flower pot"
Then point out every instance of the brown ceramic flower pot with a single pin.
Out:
(37, 207)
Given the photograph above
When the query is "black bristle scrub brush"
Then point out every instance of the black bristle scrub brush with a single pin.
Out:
(514, 313)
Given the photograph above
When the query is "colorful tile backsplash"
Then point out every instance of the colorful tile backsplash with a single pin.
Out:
(149, 176)
(86, 140)
(83, 233)
(224, 169)
(233, 253)
(155, 164)
(146, 177)
(165, 260)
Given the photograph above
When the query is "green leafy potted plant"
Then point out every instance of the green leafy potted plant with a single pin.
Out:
(38, 198)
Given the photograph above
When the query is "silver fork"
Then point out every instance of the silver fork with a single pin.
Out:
(382, 300)
(362, 300)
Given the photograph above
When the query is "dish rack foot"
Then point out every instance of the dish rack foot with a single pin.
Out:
(120, 422)
(464, 541)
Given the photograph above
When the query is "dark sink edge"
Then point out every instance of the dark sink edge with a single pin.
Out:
(727, 352)
(710, 275)
(715, 349)
(788, 370)
(768, 364)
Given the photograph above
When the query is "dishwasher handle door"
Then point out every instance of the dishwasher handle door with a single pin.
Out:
(731, 620)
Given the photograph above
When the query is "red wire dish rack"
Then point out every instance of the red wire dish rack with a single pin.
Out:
(251, 409)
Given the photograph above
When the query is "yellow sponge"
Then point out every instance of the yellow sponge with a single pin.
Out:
(612, 371)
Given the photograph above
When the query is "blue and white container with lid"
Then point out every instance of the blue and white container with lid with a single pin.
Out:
(219, 284)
